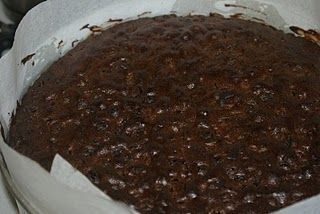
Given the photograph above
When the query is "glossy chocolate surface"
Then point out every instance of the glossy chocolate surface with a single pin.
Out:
(183, 114)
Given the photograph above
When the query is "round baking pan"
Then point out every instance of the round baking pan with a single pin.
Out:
(13, 188)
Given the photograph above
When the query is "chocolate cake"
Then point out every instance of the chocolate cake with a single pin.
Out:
(183, 115)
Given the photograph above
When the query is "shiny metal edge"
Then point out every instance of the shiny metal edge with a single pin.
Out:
(14, 190)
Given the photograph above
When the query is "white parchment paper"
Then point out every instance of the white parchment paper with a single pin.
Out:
(48, 32)
(7, 204)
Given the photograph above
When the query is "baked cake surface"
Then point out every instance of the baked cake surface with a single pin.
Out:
(183, 115)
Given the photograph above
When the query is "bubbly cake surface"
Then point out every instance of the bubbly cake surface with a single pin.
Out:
(183, 115)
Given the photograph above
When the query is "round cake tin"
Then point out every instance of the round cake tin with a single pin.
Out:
(276, 12)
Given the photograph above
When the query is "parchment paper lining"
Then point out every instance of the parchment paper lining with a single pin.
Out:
(51, 29)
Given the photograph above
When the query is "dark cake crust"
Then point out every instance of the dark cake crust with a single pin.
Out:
(183, 114)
